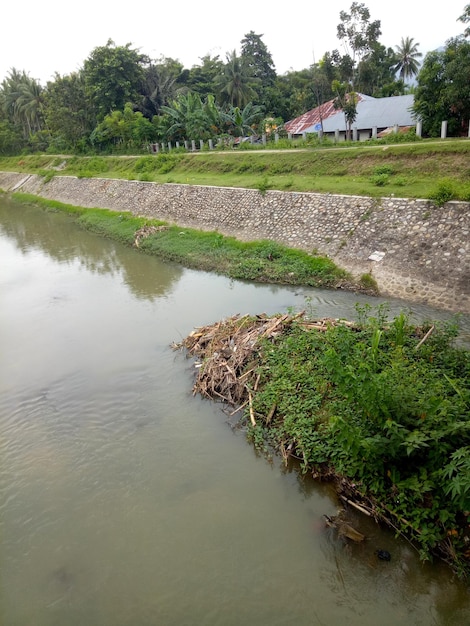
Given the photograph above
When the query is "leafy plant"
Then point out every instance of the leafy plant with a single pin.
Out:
(386, 405)
(443, 192)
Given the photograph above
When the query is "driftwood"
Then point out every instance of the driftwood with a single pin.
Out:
(145, 232)
(227, 368)
(344, 529)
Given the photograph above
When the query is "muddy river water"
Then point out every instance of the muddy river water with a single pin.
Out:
(127, 501)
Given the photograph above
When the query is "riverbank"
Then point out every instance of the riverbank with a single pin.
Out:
(412, 249)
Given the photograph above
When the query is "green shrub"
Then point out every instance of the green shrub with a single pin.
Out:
(383, 169)
(443, 192)
(380, 180)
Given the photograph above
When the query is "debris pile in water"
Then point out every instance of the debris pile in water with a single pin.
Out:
(227, 353)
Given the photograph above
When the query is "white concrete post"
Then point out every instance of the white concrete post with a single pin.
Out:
(193, 145)
(374, 132)
(337, 135)
(419, 128)
(444, 130)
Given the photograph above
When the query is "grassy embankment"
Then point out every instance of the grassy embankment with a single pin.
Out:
(436, 170)
(260, 261)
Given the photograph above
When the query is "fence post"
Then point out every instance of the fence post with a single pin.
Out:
(419, 128)
(444, 130)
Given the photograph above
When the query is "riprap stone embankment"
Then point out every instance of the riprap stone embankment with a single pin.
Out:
(412, 248)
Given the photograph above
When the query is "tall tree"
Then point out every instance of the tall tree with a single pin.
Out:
(407, 52)
(442, 90)
(68, 112)
(259, 62)
(235, 84)
(295, 94)
(202, 77)
(162, 83)
(358, 33)
(23, 101)
(114, 76)
(376, 74)
(465, 19)
(257, 57)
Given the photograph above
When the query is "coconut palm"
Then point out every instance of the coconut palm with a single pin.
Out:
(408, 55)
(23, 101)
(235, 84)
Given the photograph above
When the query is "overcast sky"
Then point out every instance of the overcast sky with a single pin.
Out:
(49, 36)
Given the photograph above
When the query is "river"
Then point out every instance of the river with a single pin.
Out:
(127, 501)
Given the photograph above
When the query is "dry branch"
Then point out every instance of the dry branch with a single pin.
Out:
(227, 352)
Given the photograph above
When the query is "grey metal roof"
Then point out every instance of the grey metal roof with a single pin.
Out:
(374, 112)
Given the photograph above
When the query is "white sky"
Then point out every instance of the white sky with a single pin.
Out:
(48, 36)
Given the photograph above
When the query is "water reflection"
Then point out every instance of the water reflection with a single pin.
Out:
(124, 499)
(55, 234)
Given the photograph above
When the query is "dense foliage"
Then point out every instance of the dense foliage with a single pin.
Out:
(385, 404)
(442, 92)
(90, 110)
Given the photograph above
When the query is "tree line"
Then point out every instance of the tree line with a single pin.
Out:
(122, 100)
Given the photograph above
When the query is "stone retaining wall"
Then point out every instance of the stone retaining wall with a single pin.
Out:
(413, 249)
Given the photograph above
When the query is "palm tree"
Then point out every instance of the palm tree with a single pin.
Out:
(23, 101)
(236, 83)
(408, 55)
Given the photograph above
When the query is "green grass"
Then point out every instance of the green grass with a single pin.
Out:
(259, 261)
(417, 170)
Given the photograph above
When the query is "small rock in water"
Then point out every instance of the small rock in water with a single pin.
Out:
(383, 555)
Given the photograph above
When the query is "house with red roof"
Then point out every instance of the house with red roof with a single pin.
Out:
(374, 116)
